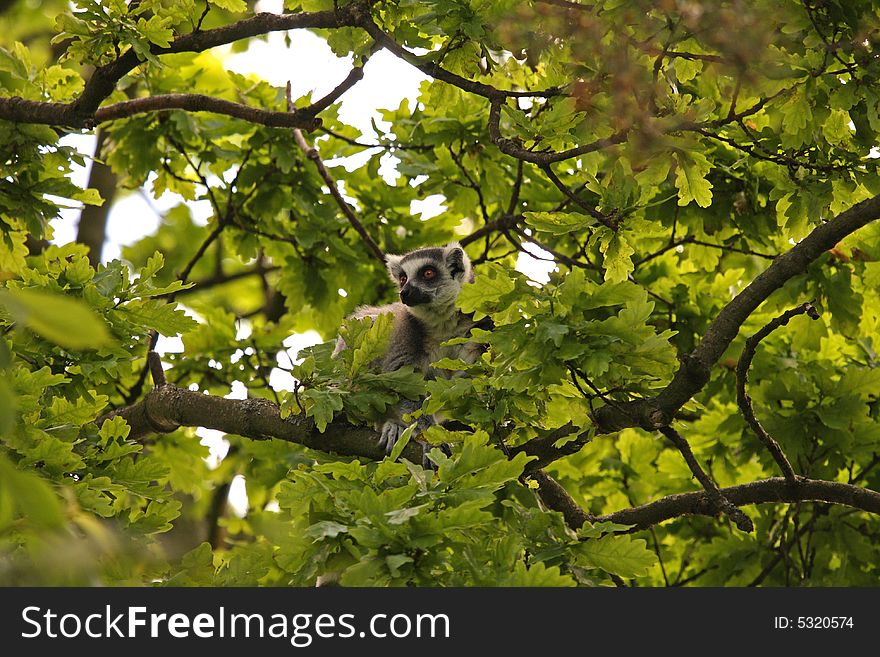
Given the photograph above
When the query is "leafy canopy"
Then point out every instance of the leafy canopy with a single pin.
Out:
(658, 155)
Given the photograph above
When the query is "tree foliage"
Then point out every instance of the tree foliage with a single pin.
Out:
(691, 398)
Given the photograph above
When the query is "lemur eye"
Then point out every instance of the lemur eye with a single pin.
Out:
(428, 274)
(402, 279)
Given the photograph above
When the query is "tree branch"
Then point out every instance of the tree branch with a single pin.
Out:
(742, 376)
(696, 367)
(557, 498)
(437, 72)
(763, 491)
(166, 408)
(544, 450)
(502, 223)
(693, 374)
(81, 113)
(302, 118)
(514, 148)
(609, 222)
(259, 269)
(722, 504)
(664, 125)
(356, 74)
(312, 153)
(156, 371)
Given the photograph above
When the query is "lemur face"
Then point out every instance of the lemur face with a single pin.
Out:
(430, 276)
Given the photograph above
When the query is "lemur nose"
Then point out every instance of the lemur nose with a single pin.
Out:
(412, 296)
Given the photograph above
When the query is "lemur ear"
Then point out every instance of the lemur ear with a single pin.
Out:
(457, 261)
(393, 263)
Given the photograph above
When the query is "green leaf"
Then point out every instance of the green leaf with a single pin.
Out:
(538, 574)
(402, 442)
(370, 344)
(12, 253)
(115, 427)
(796, 116)
(618, 256)
(618, 555)
(157, 31)
(836, 129)
(30, 496)
(8, 407)
(370, 571)
(154, 263)
(326, 529)
(89, 197)
(321, 405)
(558, 223)
(494, 284)
(690, 178)
(66, 321)
(236, 6)
(157, 315)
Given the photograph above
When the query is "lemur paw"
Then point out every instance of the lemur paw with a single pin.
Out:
(391, 432)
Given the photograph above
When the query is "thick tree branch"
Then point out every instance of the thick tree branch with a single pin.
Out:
(303, 118)
(81, 113)
(84, 111)
(105, 78)
(544, 450)
(557, 498)
(167, 407)
(696, 367)
(763, 491)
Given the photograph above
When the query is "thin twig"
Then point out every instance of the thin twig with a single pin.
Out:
(606, 220)
(783, 550)
(471, 183)
(155, 363)
(742, 376)
(434, 70)
(312, 153)
(356, 74)
(557, 256)
(517, 186)
(213, 235)
(740, 519)
(692, 240)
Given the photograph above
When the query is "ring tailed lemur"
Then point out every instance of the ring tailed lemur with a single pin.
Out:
(426, 316)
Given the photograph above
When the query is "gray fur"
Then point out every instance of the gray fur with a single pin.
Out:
(420, 328)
